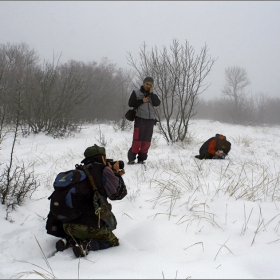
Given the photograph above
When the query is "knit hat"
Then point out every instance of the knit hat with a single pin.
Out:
(148, 79)
(94, 151)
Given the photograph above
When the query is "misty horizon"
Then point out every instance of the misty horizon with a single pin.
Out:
(244, 34)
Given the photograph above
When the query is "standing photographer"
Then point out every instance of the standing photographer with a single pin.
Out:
(144, 100)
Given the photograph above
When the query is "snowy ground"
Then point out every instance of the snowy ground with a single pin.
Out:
(182, 217)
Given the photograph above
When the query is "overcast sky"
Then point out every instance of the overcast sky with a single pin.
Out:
(238, 33)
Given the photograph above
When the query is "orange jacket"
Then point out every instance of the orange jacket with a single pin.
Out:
(212, 145)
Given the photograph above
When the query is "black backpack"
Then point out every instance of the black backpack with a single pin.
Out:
(63, 206)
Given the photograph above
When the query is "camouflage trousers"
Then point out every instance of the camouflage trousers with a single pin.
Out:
(84, 232)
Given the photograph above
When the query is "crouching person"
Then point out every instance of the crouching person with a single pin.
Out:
(92, 230)
(215, 148)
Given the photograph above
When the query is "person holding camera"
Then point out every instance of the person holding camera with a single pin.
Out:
(88, 228)
(216, 147)
(144, 99)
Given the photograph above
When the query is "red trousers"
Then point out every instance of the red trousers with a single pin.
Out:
(142, 136)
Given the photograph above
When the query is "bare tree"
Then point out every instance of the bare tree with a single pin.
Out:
(179, 74)
(58, 97)
(59, 91)
(235, 90)
(16, 64)
(107, 90)
(16, 183)
(261, 109)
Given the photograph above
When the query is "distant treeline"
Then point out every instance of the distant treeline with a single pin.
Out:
(237, 105)
(257, 109)
(55, 98)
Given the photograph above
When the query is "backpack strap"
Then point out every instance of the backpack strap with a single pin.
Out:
(89, 177)
(98, 210)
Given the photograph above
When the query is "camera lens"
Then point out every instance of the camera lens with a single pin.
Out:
(112, 162)
(121, 164)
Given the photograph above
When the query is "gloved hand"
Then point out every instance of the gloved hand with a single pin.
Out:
(219, 153)
(121, 172)
(115, 167)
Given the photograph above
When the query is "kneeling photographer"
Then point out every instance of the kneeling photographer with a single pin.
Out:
(92, 229)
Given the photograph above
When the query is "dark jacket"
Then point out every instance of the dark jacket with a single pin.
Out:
(108, 184)
(144, 110)
(213, 144)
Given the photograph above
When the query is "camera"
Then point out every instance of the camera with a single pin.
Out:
(112, 162)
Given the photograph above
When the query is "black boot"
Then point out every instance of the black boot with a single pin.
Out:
(95, 245)
(65, 243)
(80, 251)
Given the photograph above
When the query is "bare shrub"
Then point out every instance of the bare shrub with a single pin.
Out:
(122, 125)
(100, 138)
(179, 78)
(16, 183)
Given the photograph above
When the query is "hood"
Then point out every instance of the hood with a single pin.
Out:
(220, 136)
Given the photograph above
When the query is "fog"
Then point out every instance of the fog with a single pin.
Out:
(237, 33)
